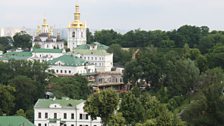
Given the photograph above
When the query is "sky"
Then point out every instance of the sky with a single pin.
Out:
(114, 14)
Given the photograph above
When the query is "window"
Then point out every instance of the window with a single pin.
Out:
(82, 34)
(69, 71)
(61, 71)
(92, 58)
(72, 125)
(65, 71)
(46, 115)
(87, 117)
(56, 71)
(65, 116)
(72, 116)
(73, 34)
(39, 124)
(39, 115)
(55, 115)
(80, 116)
(45, 124)
(65, 125)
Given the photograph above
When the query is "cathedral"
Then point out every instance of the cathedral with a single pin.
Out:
(46, 39)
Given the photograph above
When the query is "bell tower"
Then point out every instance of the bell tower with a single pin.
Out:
(76, 31)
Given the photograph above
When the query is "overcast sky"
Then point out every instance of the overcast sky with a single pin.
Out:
(116, 14)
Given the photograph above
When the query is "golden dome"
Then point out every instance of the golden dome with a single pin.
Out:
(77, 23)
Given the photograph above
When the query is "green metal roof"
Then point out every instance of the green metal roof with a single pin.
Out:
(45, 103)
(91, 52)
(42, 50)
(16, 56)
(87, 46)
(14, 121)
(68, 60)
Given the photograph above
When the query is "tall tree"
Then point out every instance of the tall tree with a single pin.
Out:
(26, 92)
(22, 40)
(76, 88)
(132, 109)
(5, 43)
(7, 99)
(117, 120)
(102, 105)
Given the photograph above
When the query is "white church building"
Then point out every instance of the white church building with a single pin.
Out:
(76, 31)
(46, 39)
(62, 112)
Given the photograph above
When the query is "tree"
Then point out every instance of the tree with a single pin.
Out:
(117, 120)
(207, 42)
(181, 77)
(21, 112)
(89, 36)
(102, 105)
(6, 72)
(132, 109)
(76, 88)
(7, 99)
(207, 108)
(216, 56)
(107, 37)
(5, 43)
(22, 40)
(26, 92)
(120, 56)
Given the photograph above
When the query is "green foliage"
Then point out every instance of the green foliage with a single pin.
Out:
(72, 87)
(7, 99)
(26, 92)
(89, 36)
(25, 84)
(22, 40)
(20, 112)
(5, 43)
(181, 76)
(207, 108)
(117, 120)
(132, 109)
(37, 46)
(120, 56)
(107, 37)
(216, 56)
(102, 105)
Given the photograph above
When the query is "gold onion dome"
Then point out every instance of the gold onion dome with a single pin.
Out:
(77, 23)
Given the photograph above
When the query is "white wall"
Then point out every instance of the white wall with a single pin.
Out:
(102, 63)
(60, 115)
(79, 39)
(70, 70)
(45, 56)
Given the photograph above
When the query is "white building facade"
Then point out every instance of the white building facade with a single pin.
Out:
(43, 55)
(69, 65)
(76, 31)
(62, 112)
(96, 54)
